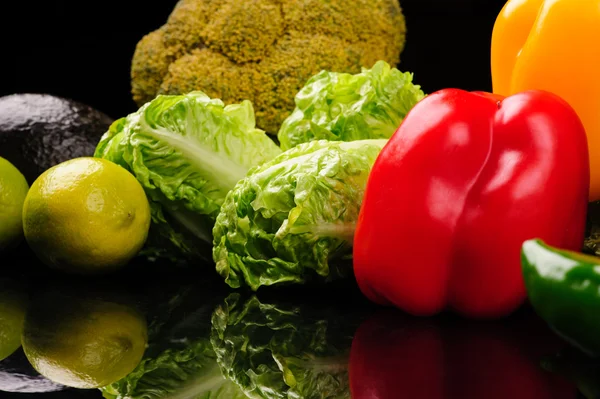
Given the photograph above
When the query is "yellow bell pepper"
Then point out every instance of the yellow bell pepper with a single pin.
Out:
(553, 45)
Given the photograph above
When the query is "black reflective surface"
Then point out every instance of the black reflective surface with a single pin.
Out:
(207, 341)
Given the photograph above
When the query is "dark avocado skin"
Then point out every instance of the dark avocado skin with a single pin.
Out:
(38, 131)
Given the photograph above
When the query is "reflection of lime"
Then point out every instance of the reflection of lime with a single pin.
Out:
(83, 343)
(12, 313)
(86, 215)
(13, 189)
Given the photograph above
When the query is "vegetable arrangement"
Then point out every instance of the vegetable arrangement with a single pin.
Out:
(281, 216)
(469, 202)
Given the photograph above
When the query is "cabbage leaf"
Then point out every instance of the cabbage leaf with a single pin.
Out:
(292, 219)
(187, 152)
(344, 107)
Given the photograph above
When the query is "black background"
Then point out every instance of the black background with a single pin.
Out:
(82, 49)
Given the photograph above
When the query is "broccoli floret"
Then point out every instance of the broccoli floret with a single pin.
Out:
(263, 50)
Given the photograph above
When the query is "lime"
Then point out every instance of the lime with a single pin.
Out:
(86, 215)
(13, 189)
(13, 302)
(83, 342)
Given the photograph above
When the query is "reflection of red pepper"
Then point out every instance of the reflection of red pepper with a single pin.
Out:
(400, 357)
(463, 182)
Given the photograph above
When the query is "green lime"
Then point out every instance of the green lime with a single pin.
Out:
(13, 302)
(13, 189)
(83, 342)
(86, 215)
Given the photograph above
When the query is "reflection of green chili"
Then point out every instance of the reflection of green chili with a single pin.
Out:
(578, 368)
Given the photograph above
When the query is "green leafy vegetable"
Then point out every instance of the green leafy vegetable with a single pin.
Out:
(340, 106)
(293, 218)
(187, 151)
(276, 350)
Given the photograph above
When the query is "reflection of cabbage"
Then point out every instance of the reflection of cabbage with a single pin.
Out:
(187, 152)
(341, 106)
(186, 373)
(282, 351)
(179, 362)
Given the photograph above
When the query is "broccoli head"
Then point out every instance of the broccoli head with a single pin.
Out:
(263, 50)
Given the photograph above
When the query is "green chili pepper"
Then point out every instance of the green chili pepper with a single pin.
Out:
(564, 289)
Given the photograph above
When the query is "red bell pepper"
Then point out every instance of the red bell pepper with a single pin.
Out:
(394, 356)
(462, 183)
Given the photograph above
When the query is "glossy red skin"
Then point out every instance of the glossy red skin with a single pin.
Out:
(462, 183)
(395, 357)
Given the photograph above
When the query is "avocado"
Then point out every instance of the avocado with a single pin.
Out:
(17, 375)
(38, 131)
